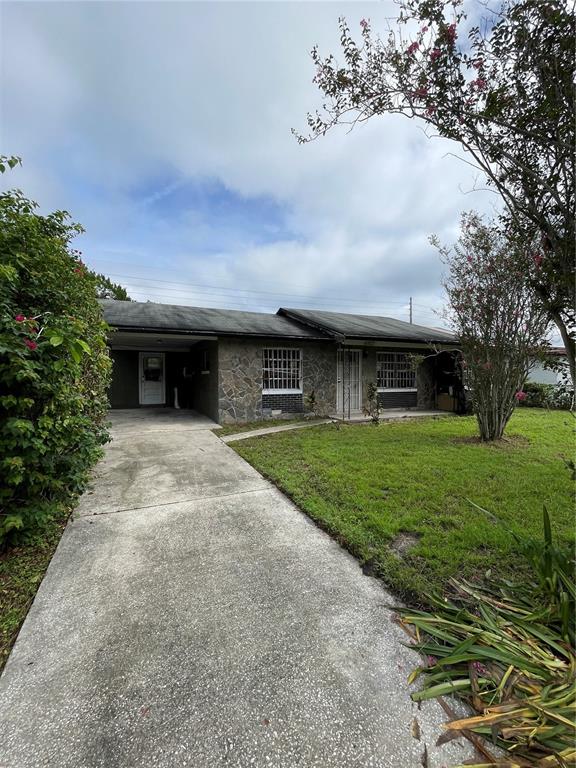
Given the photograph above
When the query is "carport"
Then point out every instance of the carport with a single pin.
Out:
(164, 370)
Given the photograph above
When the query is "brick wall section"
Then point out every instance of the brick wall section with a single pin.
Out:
(285, 403)
(397, 399)
(240, 377)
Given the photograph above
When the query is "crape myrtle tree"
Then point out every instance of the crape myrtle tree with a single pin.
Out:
(502, 88)
(499, 319)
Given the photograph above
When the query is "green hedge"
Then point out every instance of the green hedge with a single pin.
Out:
(545, 396)
(54, 368)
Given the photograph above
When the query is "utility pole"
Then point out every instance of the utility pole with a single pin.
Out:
(410, 309)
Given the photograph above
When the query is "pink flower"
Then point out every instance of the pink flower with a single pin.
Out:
(451, 32)
(520, 396)
(480, 668)
(421, 92)
(424, 29)
(431, 661)
(537, 259)
(19, 318)
(480, 83)
(30, 344)
(413, 48)
(435, 54)
(364, 24)
(478, 64)
(430, 111)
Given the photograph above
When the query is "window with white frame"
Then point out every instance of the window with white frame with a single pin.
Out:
(282, 370)
(394, 371)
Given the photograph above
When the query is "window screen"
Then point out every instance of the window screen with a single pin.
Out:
(282, 369)
(394, 371)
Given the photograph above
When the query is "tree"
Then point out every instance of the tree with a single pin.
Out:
(500, 321)
(54, 367)
(503, 89)
(106, 289)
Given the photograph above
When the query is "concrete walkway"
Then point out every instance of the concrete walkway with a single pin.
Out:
(192, 616)
(271, 430)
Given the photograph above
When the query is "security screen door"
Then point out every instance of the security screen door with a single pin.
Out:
(349, 382)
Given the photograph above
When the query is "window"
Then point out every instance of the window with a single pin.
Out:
(394, 371)
(282, 370)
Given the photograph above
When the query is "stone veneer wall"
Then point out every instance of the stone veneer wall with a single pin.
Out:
(240, 376)
(426, 384)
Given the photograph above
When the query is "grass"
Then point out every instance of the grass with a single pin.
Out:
(248, 426)
(21, 571)
(398, 495)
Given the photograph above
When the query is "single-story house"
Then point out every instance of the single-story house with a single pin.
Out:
(241, 366)
(557, 375)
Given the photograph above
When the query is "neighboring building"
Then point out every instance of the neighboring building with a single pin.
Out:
(539, 374)
(241, 366)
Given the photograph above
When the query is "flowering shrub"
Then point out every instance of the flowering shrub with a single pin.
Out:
(498, 318)
(546, 396)
(54, 368)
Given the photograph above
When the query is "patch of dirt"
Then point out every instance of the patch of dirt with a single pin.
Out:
(403, 542)
(508, 442)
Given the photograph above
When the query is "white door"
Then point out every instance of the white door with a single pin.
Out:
(152, 386)
(349, 382)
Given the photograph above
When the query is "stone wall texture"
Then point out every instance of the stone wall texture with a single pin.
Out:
(240, 376)
(240, 380)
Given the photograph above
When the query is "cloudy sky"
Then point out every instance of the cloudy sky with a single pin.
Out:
(164, 128)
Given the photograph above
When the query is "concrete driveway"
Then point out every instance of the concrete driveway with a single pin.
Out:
(192, 616)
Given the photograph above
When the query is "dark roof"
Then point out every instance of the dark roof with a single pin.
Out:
(149, 316)
(367, 326)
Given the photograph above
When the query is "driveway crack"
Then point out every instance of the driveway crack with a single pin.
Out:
(259, 489)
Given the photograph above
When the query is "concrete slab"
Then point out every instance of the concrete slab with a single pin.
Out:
(142, 469)
(219, 631)
(145, 420)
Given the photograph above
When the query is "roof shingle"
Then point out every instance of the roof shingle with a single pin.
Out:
(149, 316)
(367, 326)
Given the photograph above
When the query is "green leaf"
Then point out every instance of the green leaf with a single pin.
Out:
(56, 340)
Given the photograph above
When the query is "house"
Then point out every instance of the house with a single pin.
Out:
(241, 366)
(556, 373)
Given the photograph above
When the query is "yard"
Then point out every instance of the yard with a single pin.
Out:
(400, 496)
(21, 571)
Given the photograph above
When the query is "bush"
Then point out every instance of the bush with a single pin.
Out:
(507, 649)
(545, 396)
(54, 368)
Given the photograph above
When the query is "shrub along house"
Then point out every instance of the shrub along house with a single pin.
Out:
(241, 366)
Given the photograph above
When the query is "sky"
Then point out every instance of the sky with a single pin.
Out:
(164, 128)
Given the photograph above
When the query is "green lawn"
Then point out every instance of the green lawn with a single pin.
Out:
(21, 571)
(396, 495)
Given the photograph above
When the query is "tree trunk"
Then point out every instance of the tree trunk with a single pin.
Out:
(570, 346)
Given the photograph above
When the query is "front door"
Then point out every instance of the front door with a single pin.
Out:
(349, 382)
(152, 387)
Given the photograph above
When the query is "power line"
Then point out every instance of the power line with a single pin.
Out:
(225, 303)
(203, 291)
(239, 290)
(234, 300)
